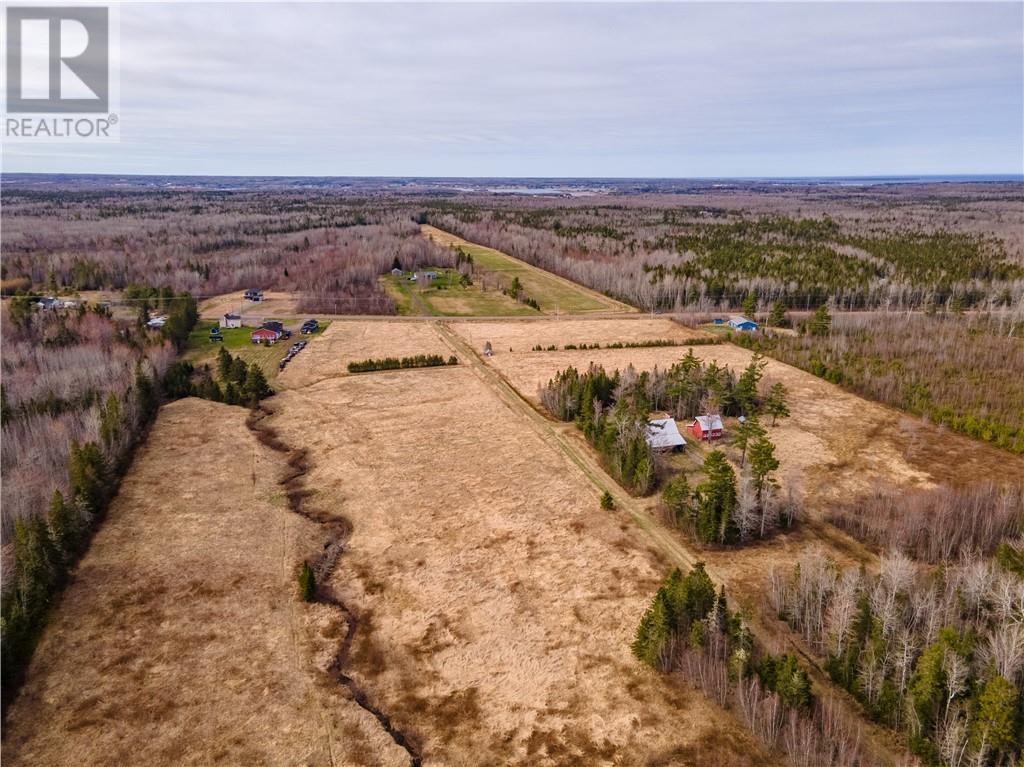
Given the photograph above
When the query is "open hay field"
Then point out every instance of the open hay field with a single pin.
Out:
(275, 305)
(554, 294)
(523, 336)
(181, 640)
(838, 444)
(446, 296)
(495, 600)
(347, 341)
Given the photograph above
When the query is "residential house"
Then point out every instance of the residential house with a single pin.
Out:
(231, 321)
(262, 335)
(742, 324)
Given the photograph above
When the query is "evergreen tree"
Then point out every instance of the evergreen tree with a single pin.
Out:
(746, 434)
(607, 501)
(64, 526)
(20, 310)
(716, 501)
(676, 497)
(750, 305)
(110, 420)
(255, 387)
(307, 583)
(776, 404)
(777, 316)
(224, 362)
(821, 322)
(993, 723)
(144, 394)
(88, 474)
(238, 370)
(652, 634)
(762, 463)
(745, 391)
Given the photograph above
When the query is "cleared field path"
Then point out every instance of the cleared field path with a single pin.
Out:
(668, 543)
(556, 295)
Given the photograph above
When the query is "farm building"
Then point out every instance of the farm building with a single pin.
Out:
(742, 324)
(231, 321)
(396, 272)
(663, 434)
(707, 427)
(264, 334)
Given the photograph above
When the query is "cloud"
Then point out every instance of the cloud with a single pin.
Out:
(563, 89)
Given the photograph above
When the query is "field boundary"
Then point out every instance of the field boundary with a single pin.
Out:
(880, 740)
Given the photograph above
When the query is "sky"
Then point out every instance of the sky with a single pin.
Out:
(561, 90)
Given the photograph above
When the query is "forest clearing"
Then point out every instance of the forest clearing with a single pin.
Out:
(554, 294)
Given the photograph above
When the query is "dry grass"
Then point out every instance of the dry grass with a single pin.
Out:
(495, 599)
(554, 293)
(180, 641)
(275, 305)
(839, 445)
(347, 341)
(501, 599)
(522, 336)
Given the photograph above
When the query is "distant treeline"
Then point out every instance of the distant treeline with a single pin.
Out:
(648, 343)
(395, 363)
(329, 249)
(674, 258)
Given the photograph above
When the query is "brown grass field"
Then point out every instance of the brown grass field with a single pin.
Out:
(522, 336)
(555, 294)
(275, 305)
(180, 640)
(494, 600)
(837, 443)
(347, 341)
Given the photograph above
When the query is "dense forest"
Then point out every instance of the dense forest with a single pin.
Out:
(711, 258)
(689, 631)
(936, 654)
(328, 249)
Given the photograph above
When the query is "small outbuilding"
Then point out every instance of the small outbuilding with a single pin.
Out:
(707, 427)
(396, 272)
(743, 324)
(231, 321)
(663, 434)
